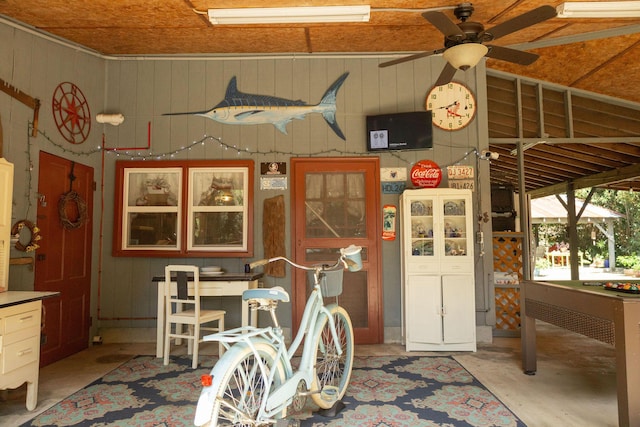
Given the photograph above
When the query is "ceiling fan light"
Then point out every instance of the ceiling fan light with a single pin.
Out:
(605, 9)
(466, 55)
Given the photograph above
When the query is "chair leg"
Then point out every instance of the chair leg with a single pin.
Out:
(190, 341)
(196, 344)
(167, 342)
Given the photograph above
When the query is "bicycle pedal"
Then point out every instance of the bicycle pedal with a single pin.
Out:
(329, 393)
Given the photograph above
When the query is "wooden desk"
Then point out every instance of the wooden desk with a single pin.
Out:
(20, 321)
(608, 316)
(226, 284)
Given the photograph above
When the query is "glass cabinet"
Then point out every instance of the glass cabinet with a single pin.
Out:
(436, 225)
(183, 208)
(437, 270)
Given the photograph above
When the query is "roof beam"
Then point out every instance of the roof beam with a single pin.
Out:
(594, 140)
(595, 180)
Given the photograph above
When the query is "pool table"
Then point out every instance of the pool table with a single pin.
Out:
(587, 308)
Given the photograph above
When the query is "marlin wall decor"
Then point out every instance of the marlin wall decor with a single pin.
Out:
(248, 109)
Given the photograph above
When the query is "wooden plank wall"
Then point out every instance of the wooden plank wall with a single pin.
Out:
(144, 89)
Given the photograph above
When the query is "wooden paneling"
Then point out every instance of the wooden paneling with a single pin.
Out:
(568, 116)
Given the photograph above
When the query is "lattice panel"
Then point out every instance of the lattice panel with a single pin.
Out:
(507, 254)
(507, 308)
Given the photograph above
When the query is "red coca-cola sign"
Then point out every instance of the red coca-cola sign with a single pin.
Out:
(426, 174)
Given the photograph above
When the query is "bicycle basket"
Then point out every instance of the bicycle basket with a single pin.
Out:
(330, 282)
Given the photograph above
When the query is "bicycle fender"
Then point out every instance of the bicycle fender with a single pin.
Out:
(204, 410)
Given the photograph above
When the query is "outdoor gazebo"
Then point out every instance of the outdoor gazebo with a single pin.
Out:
(553, 210)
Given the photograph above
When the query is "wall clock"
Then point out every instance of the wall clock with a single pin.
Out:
(71, 113)
(452, 106)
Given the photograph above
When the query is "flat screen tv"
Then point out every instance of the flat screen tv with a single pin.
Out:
(400, 131)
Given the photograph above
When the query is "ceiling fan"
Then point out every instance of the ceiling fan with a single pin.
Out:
(464, 42)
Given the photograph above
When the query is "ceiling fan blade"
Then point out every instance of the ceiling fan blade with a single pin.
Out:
(410, 58)
(446, 75)
(445, 25)
(527, 19)
(512, 55)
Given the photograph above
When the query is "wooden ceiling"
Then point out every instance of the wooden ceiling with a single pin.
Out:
(596, 55)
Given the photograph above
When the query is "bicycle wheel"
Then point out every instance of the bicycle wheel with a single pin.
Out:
(239, 386)
(333, 371)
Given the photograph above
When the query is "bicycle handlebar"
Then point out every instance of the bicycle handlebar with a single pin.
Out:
(344, 259)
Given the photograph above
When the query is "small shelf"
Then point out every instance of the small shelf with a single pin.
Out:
(25, 260)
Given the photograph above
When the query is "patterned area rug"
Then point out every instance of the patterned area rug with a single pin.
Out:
(390, 391)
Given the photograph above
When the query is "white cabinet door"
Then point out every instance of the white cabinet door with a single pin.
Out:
(458, 306)
(424, 308)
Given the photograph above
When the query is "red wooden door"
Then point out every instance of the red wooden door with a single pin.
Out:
(336, 203)
(63, 261)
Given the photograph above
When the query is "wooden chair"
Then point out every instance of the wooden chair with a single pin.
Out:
(182, 305)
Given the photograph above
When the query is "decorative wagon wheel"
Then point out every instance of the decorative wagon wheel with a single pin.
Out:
(71, 113)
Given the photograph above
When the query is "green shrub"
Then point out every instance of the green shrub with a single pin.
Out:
(629, 261)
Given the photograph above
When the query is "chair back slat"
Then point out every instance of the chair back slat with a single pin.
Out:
(181, 281)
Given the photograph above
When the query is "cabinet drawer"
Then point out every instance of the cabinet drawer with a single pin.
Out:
(456, 267)
(20, 354)
(20, 321)
(432, 267)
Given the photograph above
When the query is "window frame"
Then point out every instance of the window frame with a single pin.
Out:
(185, 208)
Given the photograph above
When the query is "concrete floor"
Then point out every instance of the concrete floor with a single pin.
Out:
(575, 384)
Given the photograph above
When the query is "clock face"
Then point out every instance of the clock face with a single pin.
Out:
(71, 113)
(452, 106)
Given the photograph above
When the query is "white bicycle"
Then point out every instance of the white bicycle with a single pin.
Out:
(255, 382)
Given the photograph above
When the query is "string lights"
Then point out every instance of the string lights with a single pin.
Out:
(145, 154)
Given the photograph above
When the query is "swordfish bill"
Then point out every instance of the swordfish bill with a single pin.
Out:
(239, 108)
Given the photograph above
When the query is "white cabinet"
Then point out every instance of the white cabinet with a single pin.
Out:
(437, 270)
(20, 344)
(6, 201)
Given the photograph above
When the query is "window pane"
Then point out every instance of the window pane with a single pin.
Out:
(218, 228)
(335, 205)
(153, 189)
(218, 188)
(153, 229)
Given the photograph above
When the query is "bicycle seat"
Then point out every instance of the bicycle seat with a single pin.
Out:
(276, 293)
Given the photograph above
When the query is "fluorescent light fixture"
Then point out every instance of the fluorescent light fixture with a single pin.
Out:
(466, 55)
(605, 9)
(289, 15)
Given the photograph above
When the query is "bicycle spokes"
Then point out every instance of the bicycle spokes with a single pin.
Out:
(244, 394)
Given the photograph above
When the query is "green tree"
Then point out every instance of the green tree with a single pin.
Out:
(627, 203)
